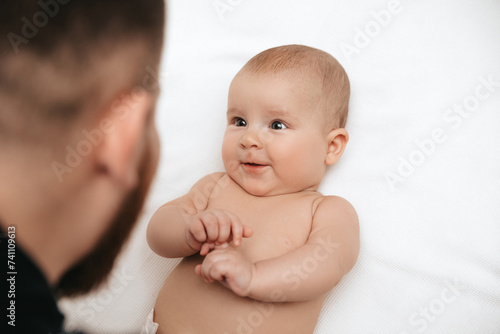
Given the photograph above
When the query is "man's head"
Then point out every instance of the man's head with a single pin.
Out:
(77, 98)
(63, 60)
(286, 111)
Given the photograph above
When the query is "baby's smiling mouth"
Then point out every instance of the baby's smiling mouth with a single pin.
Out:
(253, 167)
(252, 164)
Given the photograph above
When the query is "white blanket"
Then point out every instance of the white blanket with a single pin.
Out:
(422, 167)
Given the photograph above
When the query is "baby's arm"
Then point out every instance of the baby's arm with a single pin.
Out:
(184, 226)
(303, 274)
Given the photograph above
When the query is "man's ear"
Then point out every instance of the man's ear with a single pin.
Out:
(337, 141)
(123, 123)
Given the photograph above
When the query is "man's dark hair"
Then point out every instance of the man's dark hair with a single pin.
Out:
(63, 59)
(62, 62)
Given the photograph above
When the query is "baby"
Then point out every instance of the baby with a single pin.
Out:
(261, 245)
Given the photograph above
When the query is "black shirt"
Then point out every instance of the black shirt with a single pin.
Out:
(30, 301)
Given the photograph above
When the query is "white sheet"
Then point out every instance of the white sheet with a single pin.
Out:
(422, 167)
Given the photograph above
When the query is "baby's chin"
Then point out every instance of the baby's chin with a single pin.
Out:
(269, 191)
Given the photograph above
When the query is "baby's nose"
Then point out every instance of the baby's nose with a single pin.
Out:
(251, 139)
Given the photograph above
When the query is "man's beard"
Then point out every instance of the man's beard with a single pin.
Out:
(94, 268)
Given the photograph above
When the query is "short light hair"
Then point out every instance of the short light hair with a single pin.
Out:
(304, 60)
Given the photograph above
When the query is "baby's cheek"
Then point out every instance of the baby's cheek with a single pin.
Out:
(303, 166)
(227, 154)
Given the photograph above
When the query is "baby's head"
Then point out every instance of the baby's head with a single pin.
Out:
(287, 109)
(323, 79)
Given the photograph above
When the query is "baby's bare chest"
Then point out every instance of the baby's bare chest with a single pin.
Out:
(280, 223)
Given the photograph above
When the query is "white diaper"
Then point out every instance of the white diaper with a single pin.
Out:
(149, 326)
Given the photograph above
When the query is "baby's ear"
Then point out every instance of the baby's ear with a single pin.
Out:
(337, 141)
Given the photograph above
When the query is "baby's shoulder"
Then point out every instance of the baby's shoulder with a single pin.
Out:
(332, 205)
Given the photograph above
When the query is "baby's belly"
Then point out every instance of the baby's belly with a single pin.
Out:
(188, 305)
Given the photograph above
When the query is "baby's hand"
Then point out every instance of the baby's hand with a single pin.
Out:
(209, 228)
(228, 266)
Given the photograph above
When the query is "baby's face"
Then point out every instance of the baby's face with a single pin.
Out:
(275, 142)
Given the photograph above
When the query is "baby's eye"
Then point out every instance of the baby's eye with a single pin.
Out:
(239, 121)
(277, 125)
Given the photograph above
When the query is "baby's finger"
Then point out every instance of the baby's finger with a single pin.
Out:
(200, 271)
(197, 231)
(236, 228)
(210, 265)
(224, 226)
(221, 245)
(218, 271)
(247, 231)
(205, 248)
(205, 272)
(210, 222)
(197, 270)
